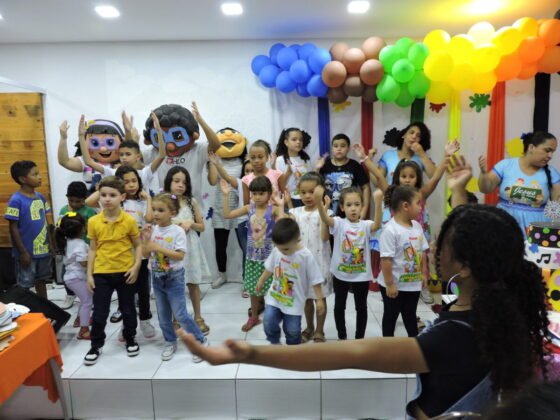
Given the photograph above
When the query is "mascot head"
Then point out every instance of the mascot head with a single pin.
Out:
(180, 129)
(103, 138)
(233, 143)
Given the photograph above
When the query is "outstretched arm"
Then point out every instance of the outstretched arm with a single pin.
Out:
(213, 141)
(72, 164)
(161, 145)
(378, 216)
(460, 173)
(231, 214)
(217, 168)
(487, 181)
(429, 187)
(428, 164)
(378, 178)
(319, 193)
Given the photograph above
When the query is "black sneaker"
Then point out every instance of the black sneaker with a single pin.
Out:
(92, 356)
(132, 347)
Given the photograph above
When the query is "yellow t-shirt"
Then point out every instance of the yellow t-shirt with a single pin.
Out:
(114, 253)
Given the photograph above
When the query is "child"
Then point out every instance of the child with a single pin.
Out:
(76, 194)
(341, 172)
(68, 237)
(294, 272)
(404, 260)
(26, 213)
(113, 266)
(350, 263)
(290, 153)
(262, 216)
(178, 182)
(315, 237)
(166, 245)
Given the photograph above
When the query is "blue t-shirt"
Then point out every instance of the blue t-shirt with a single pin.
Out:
(390, 159)
(32, 223)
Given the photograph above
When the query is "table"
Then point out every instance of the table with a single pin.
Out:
(32, 359)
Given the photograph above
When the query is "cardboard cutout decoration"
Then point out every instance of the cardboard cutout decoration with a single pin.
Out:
(233, 143)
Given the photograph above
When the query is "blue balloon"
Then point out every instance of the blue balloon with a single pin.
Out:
(302, 90)
(316, 87)
(296, 48)
(273, 52)
(306, 50)
(284, 82)
(286, 56)
(319, 59)
(268, 75)
(299, 71)
(259, 62)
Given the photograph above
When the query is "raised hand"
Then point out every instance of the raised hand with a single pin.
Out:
(460, 173)
(321, 161)
(64, 129)
(155, 121)
(146, 231)
(319, 192)
(278, 199)
(225, 186)
(417, 149)
(326, 202)
(452, 147)
(483, 164)
(195, 111)
(82, 128)
(144, 195)
(128, 122)
(372, 152)
(359, 151)
(272, 160)
(213, 158)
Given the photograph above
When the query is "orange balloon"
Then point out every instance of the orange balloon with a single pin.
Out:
(353, 86)
(353, 58)
(531, 49)
(528, 26)
(549, 32)
(372, 46)
(550, 61)
(372, 72)
(334, 74)
(528, 71)
(509, 67)
(337, 50)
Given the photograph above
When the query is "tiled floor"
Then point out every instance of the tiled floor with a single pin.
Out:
(145, 387)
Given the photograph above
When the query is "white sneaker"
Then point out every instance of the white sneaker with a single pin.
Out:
(198, 359)
(68, 302)
(148, 330)
(168, 352)
(426, 296)
(221, 279)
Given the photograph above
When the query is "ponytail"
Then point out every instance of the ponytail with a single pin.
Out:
(396, 194)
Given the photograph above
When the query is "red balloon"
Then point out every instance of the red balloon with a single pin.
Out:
(371, 72)
(353, 86)
(337, 95)
(334, 74)
(372, 46)
(369, 94)
(549, 32)
(550, 61)
(509, 67)
(337, 50)
(353, 59)
(528, 71)
(531, 49)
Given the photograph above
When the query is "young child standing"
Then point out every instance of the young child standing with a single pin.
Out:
(290, 152)
(404, 260)
(69, 241)
(262, 216)
(350, 263)
(112, 265)
(166, 245)
(32, 246)
(294, 272)
(178, 182)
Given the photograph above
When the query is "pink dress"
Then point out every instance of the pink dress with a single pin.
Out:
(272, 174)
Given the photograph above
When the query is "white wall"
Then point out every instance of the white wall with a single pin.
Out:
(102, 79)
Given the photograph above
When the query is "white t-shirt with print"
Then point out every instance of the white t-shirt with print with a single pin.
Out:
(170, 237)
(137, 209)
(76, 252)
(405, 246)
(351, 259)
(292, 277)
(299, 167)
(146, 175)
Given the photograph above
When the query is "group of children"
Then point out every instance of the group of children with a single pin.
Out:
(308, 234)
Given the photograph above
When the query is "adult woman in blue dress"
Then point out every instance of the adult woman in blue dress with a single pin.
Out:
(526, 183)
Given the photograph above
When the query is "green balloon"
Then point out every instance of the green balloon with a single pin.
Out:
(403, 45)
(419, 85)
(417, 54)
(388, 89)
(403, 70)
(405, 98)
(388, 56)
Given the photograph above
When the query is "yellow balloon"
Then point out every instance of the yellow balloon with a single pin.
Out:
(507, 40)
(481, 33)
(528, 26)
(484, 83)
(461, 48)
(438, 66)
(461, 77)
(439, 92)
(485, 58)
(437, 40)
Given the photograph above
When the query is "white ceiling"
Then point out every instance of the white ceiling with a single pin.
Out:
(158, 20)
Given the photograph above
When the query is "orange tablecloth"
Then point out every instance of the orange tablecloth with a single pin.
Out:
(25, 361)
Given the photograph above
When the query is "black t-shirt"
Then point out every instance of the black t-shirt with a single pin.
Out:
(351, 174)
(453, 358)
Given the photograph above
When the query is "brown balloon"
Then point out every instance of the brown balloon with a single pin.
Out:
(337, 95)
(353, 59)
(334, 74)
(372, 46)
(353, 86)
(337, 50)
(371, 72)
(369, 94)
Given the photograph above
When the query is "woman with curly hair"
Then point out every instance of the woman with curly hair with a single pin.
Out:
(485, 344)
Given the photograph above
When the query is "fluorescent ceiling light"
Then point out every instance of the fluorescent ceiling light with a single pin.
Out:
(232, 9)
(107, 11)
(357, 7)
(1, 17)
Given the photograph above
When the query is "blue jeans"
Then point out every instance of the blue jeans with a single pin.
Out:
(169, 290)
(291, 324)
(39, 269)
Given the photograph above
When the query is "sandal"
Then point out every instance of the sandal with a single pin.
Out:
(76, 322)
(319, 337)
(250, 311)
(245, 294)
(204, 329)
(306, 335)
(251, 322)
(116, 317)
(84, 334)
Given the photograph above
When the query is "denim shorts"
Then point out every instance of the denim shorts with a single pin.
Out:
(39, 269)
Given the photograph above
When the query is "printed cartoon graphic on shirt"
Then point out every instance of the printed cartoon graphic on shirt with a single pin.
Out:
(161, 262)
(335, 183)
(261, 244)
(353, 246)
(413, 261)
(282, 287)
(531, 194)
(297, 173)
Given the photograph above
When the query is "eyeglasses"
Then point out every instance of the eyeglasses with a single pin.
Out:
(176, 135)
(110, 143)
